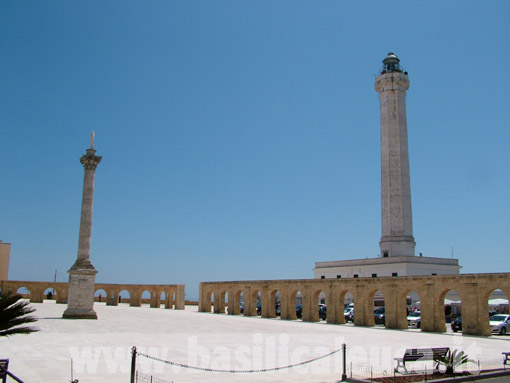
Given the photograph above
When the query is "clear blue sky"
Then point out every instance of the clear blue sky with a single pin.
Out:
(240, 140)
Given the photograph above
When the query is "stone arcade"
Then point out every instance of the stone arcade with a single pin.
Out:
(474, 291)
(174, 294)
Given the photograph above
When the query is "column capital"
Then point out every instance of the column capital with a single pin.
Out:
(90, 160)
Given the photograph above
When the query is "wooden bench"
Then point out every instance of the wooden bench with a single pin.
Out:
(506, 361)
(421, 354)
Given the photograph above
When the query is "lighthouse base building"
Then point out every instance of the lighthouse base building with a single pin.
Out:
(396, 266)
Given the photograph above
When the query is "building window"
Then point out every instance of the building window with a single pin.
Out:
(338, 276)
(374, 275)
(323, 277)
(394, 274)
(355, 276)
(385, 255)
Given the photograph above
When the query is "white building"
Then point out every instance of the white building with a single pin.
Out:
(395, 266)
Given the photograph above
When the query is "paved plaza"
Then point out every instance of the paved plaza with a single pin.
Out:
(100, 350)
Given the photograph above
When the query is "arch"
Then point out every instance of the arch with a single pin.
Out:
(238, 305)
(497, 302)
(219, 307)
(154, 298)
(259, 301)
(449, 308)
(254, 308)
(162, 298)
(348, 298)
(409, 309)
(375, 301)
(318, 309)
(277, 300)
(295, 305)
(284, 303)
(346, 302)
(212, 296)
(100, 296)
(24, 291)
(146, 298)
(169, 304)
(124, 297)
(50, 293)
(173, 298)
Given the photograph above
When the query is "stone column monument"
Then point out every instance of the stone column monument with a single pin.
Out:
(397, 222)
(82, 274)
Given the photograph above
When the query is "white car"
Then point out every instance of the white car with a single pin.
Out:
(414, 319)
(349, 314)
(500, 323)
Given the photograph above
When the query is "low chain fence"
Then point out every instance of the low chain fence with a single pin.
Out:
(138, 377)
(351, 370)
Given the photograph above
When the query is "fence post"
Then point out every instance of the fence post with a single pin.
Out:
(133, 364)
(344, 374)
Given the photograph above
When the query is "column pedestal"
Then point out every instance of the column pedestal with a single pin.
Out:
(81, 289)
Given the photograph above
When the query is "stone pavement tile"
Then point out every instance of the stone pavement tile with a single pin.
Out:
(100, 350)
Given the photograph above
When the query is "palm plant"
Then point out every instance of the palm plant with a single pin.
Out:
(452, 360)
(14, 315)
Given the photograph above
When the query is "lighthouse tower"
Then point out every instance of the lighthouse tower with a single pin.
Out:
(397, 242)
(396, 213)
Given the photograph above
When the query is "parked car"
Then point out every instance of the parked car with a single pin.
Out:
(322, 311)
(500, 323)
(414, 319)
(349, 314)
(379, 315)
(457, 324)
